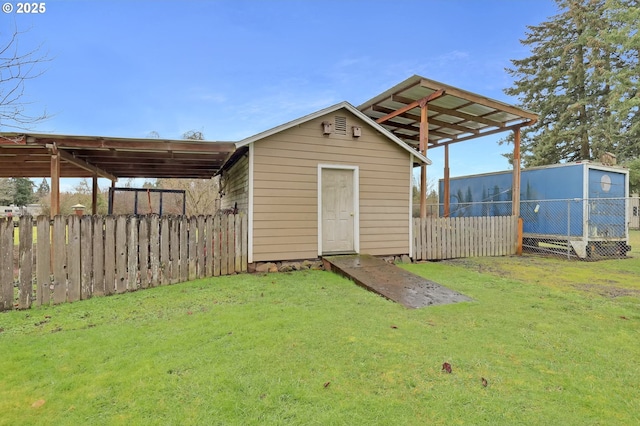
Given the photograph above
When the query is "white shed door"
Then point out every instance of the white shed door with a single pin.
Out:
(337, 211)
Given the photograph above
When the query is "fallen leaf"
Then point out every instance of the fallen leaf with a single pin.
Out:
(446, 367)
(189, 313)
(394, 326)
(39, 403)
(326, 385)
(623, 317)
(484, 382)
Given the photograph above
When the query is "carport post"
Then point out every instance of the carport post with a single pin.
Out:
(446, 181)
(94, 195)
(515, 194)
(55, 182)
(424, 137)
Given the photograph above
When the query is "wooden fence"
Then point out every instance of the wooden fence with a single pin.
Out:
(73, 258)
(447, 238)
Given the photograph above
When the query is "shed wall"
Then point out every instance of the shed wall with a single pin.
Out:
(285, 189)
(236, 186)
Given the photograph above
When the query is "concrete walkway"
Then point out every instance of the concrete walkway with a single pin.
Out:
(392, 282)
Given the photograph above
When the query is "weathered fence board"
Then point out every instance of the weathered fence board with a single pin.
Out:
(174, 257)
(154, 249)
(86, 257)
(80, 257)
(202, 238)
(447, 238)
(208, 246)
(224, 232)
(109, 255)
(121, 254)
(165, 253)
(73, 259)
(132, 253)
(217, 238)
(143, 252)
(229, 246)
(59, 260)
(98, 248)
(25, 265)
(184, 237)
(6, 264)
(43, 261)
(192, 237)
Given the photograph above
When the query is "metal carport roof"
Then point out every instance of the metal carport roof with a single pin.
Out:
(454, 115)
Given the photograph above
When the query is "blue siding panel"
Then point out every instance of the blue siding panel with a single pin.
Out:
(551, 199)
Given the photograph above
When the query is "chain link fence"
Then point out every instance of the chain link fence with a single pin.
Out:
(584, 228)
(576, 228)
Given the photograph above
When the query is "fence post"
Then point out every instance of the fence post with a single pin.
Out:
(568, 229)
(520, 232)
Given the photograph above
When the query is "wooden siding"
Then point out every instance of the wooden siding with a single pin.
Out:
(236, 188)
(285, 189)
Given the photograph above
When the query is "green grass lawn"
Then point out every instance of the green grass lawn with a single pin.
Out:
(556, 340)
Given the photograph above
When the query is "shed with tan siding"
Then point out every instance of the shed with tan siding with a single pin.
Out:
(330, 182)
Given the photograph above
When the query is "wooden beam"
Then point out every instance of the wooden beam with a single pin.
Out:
(490, 132)
(411, 106)
(140, 145)
(84, 165)
(454, 112)
(412, 128)
(432, 120)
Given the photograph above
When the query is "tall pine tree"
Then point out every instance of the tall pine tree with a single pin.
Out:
(623, 35)
(570, 80)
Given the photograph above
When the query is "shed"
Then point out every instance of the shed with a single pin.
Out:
(334, 181)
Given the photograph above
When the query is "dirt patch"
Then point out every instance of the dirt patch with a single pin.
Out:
(607, 290)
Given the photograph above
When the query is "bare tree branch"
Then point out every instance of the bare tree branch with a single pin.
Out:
(16, 68)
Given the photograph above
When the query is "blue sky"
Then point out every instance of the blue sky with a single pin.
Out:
(235, 68)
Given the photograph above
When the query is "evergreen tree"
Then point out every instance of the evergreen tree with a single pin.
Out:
(570, 80)
(43, 189)
(634, 176)
(624, 36)
(23, 191)
(7, 191)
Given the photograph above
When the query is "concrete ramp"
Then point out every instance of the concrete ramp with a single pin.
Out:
(392, 282)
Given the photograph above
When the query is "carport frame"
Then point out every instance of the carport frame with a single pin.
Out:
(446, 115)
(64, 156)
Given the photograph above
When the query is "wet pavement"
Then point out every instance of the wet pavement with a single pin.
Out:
(392, 282)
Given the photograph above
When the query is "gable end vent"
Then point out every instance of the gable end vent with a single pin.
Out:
(340, 125)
